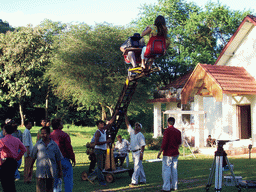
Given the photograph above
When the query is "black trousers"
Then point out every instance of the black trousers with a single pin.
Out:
(7, 173)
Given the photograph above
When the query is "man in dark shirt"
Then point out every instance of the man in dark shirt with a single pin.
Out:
(170, 148)
(63, 141)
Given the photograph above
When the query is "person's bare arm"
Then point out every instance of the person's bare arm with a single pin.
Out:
(160, 152)
(122, 49)
(146, 31)
(30, 171)
(142, 152)
(60, 169)
(126, 121)
(97, 137)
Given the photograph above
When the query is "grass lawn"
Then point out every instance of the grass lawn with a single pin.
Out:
(193, 172)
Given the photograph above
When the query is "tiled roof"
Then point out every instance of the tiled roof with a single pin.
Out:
(214, 80)
(232, 79)
(179, 82)
(163, 100)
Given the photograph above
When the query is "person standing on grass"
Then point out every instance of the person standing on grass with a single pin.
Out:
(100, 150)
(9, 147)
(44, 123)
(170, 149)
(137, 146)
(27, 141)
(18, 134)
(64, 142)
(48, 164)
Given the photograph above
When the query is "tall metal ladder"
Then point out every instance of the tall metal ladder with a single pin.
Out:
(122, 106)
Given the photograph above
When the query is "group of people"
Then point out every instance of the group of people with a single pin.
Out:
(53, 153)
(170, 148)
(157, 29)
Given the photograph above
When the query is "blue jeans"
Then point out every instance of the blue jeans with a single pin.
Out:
(67, 171)
(17, 174)
(170, 172)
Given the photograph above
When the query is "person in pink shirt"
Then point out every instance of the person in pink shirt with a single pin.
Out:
(9, 147)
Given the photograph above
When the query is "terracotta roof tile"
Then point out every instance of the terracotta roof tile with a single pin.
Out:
(179, 82)
(231, 79)
(163, 100)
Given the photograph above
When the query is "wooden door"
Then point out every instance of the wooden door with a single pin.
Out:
(244, 121)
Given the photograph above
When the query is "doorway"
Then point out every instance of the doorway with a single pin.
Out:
(244, 121)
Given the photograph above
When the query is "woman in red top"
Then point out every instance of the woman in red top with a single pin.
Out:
(157, 29)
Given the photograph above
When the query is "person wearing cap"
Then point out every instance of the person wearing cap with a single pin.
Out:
(9, 147)
(170, 148)
(131, 56)
(137, 145)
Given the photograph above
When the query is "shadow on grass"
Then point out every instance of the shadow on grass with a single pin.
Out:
(193, 177)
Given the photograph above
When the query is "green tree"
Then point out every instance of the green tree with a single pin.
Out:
(24, 55)
(197, 34)
(89, 68)
(4, 26)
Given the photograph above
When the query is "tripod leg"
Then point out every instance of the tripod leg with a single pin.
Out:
(209, 183)
(232, 173)
(218, 173)
(190, 149)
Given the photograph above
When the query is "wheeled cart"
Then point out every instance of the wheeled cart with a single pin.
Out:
(109, 175)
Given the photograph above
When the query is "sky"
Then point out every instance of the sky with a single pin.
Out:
(117, 12)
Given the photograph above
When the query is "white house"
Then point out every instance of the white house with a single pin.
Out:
(225, 92)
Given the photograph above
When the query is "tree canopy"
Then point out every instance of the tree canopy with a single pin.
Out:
(197, 34)
(23, 56)
(4, 26)
(88, 67)
(78, 68)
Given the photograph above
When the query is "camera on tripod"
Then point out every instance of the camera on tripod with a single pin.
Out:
(220, 161)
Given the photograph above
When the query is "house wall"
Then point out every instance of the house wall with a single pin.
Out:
(222, 121)
(158, 115)
(252, 99)
(157, 120)
(245, 55)
(213, 120)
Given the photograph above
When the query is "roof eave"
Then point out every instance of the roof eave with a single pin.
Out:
(248, 18)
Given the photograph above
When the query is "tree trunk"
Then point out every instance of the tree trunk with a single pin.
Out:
(21, 115)
(111, 110)
(46, 104)
(103, 112)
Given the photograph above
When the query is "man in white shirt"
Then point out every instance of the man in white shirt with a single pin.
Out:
(137, 145)
(27, 141)
(123, 147)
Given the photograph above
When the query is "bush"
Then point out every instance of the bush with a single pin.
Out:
(152, 143)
